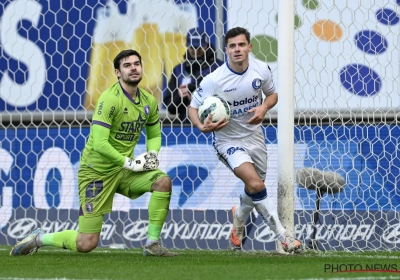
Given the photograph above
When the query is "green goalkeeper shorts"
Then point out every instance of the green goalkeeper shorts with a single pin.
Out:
(96, 192)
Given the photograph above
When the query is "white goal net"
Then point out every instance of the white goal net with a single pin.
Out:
(56, 59)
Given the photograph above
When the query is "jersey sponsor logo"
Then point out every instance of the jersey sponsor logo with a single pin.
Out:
(100, 109)
(232, 150)
(125, 137)
(111, 112)
(21, 228)
(239, 112)
(245, 101)
(134, 126)
(147, 110)
(251, 100)
(229, 90)
(256, 83)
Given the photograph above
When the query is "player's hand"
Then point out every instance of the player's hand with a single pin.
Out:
(209, 126)
(144, 162)
(259, 114)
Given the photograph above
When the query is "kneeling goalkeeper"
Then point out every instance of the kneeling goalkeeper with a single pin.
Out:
(106, 166)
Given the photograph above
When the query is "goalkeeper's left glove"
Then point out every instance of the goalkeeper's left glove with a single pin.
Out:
(144, 162)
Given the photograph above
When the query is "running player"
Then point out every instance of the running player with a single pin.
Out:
(106, 166)
(240, 143)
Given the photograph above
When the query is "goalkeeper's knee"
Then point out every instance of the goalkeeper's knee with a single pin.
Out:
(86, 242)
(163, 184)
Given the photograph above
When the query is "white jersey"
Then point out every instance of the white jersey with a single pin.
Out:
(243, 91)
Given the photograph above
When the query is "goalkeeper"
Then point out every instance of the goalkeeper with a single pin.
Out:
(106, 166)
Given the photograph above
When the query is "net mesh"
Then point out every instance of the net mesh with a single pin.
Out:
(57, 58)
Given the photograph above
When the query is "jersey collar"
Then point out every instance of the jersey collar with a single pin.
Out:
(238, 73)
(129, 96)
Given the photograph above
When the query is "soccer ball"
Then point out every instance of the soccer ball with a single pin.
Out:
(215, 105)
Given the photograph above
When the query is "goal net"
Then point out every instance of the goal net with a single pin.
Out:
(56, 59)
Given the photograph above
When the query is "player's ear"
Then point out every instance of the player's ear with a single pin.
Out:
(117, 73)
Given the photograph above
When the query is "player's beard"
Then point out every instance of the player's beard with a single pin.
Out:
(131, 82)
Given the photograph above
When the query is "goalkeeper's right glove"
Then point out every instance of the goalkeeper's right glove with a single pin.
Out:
(144, 162)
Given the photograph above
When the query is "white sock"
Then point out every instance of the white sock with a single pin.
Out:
(268, 211)
(149, 242)
(246, 206)
(39, 239)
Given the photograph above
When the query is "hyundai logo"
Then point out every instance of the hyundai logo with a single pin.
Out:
(21, 228)
(264, 234)
(392, 234)
(136, 231)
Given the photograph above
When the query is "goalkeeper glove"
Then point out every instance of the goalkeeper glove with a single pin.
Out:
(144, 162)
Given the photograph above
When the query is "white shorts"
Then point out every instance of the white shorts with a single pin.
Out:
(250, 149)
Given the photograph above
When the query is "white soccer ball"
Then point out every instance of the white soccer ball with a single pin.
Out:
(215, 105)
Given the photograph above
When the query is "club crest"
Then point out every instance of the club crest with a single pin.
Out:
(147, 110)
(257, 83)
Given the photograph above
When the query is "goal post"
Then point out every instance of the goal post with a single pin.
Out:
(332, 140)
(285, 128)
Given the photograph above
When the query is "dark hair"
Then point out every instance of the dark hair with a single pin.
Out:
(236, 31)
(124, 54)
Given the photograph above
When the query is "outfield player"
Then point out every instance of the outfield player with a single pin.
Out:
(240, 144)
(106, 166)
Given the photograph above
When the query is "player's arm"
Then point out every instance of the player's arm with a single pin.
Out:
(101, 145)
(270, 100)
(103, 115)
(204, 90)
(260, 111)
(153, 135)
(208, 125)
(101, 133)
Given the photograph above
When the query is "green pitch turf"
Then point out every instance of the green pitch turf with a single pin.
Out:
(191, 264)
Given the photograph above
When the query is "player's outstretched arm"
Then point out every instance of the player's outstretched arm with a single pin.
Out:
(208, 125)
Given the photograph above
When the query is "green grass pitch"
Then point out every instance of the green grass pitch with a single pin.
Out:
(51, 263)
